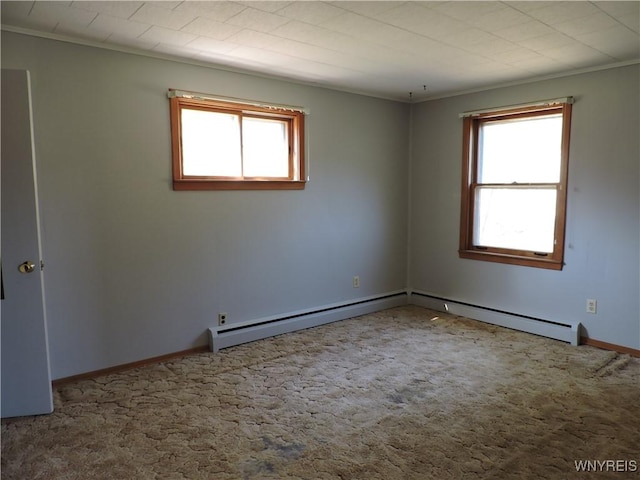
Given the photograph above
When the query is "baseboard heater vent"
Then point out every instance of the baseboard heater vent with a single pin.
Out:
(567, 332)
(234, 334)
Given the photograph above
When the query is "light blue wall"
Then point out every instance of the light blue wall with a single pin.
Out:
(135, 269)
(603, 214)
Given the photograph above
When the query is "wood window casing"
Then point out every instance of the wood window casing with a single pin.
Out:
(471, 128)
(294, 120)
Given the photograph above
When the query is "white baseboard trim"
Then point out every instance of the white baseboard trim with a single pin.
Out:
(566, 331)
(249, 331)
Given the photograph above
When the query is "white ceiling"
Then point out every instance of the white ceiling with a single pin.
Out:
(380, 48)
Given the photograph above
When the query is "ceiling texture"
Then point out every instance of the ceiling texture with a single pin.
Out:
(385, 49)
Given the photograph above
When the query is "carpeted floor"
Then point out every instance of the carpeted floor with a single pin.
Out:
(406, 393)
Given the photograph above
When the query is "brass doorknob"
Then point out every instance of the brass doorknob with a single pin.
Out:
(26, 267)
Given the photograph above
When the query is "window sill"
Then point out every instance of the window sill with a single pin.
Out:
(189, 184)
(550, 264)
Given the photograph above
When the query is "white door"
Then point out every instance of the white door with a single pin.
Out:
(26, 376)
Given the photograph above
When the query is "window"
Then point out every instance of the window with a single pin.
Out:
(514, 185)
(224, 145)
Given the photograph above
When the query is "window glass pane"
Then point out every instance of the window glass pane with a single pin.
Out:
(515, 218)
(523, 151)
(265, 147)
(210, 144)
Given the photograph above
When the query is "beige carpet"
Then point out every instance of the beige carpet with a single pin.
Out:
(394, 395)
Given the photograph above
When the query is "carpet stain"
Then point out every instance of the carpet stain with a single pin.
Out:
(256, 469)
(408, 394)
(287, 451)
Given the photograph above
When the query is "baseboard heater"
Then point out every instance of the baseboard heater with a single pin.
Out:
(567, 332)
(234, 334)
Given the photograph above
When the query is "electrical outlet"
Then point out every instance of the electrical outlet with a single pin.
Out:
(222, 319)
(592, 305)
(356, 282)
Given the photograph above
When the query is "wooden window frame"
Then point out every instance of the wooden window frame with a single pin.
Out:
(471, 128)
(295, 124)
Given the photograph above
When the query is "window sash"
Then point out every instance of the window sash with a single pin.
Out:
(520, 150)
(249, 151)
(515, 217)
(210, 143)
